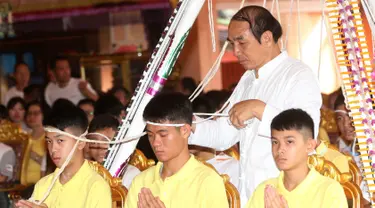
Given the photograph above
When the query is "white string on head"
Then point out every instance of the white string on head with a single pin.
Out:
(212, 25)
(164, 124)
(341, 111)
(264, 3)
(83, 139)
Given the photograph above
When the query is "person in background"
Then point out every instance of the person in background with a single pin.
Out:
(187, 86)
(107, 125)
(36, 167)
(16, 112)
(122, 94)
(87, 105)
(7, 168)
(109, 104)
(66, 86)
(22, 77)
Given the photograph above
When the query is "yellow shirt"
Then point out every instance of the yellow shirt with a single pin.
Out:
(314, 191)
(86, 189)
(334, 156)
(38, 146)
(194, 185)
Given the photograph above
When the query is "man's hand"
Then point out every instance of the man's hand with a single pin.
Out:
(27, 204)
(272, 199)
(147, 200)
(246, 110)
(83, 87)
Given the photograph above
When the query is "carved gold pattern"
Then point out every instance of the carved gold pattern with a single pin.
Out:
(118, 191)
(328, 120)
(140, 161)
(231, 191)
(11, 134)
(352, 191)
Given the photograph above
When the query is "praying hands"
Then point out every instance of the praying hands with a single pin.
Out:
(27, 204)
(147, 200)
(272, 199)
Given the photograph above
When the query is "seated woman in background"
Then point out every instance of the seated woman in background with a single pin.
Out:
(16, 112)
(38, 153)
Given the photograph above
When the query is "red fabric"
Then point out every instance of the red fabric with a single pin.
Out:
(231, 73)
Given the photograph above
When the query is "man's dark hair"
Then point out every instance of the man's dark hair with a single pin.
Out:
(260, 20)
(294, 119)
(73, 117)
(14, 101)
(340, 100)
(108, 104)
(103, 121)
(86, 101)
(188, 83)
(119, 88)
(56, 59)
(173, 107)
(19, 64)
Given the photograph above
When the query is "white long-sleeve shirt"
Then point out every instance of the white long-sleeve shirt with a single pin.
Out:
(283, 83)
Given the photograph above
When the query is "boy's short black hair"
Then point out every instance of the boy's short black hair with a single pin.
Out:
(86, 101)
(103, 121)
(73, 117)
(173, 107)
(294, 119)
(340, 100)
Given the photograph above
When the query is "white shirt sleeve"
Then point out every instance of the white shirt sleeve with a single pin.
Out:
(304, 93)
(89, 87)
(47, 95)
(218, 134)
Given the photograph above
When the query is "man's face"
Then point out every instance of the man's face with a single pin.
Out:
(22, 75)
(17, 113)
(289, 149)
(62, 71)
(344, 123)
(246, 48)
(168, 142)
(59, 146)
(34, 116)
(99, 151)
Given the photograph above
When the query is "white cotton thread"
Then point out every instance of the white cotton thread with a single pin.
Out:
(212, 25)
(299, 31)
(289, 24)
(321, 37)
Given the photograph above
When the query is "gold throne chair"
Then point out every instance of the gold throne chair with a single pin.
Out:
(118, 191)
(11, 135)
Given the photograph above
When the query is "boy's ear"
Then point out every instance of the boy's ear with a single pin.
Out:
(81, 145)
(311, 145)
(185, 131)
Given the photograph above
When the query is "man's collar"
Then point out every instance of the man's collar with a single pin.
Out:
(270, 66)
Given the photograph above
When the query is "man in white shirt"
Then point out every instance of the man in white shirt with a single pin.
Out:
(7, 164)
(67, 87)
(22, 77)
(272, 83)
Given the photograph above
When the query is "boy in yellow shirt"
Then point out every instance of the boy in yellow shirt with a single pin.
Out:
(78, 185)
(178, 180)
(292, 133)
